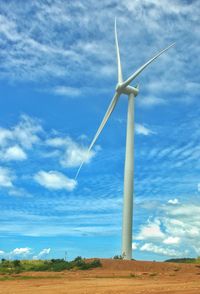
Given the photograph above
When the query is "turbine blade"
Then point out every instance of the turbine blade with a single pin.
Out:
(104, 121)
(137, 72)
(119, 67)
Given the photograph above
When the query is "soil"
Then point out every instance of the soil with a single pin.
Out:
(114, 277)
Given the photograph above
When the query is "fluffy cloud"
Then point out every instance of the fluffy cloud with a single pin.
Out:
(173, 201)
(172, 240)
(15, 139)
(54, 180)
(151, 231)
(14, 153)
(44, 252)
(6, 178)
(18, 141)
(150, 247)
(180, 229)
(22, 136)
(5, 135)
(26, 131)
(72, 154)
(142, 130)
(21, 251)
(184, 211)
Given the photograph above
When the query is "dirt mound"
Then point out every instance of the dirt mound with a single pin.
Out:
(147, 266)
(114, 277)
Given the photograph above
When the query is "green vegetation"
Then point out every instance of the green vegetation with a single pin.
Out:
(56, 265)
(118, 257)
(184, 260)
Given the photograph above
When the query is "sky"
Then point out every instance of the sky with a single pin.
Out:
(58, 74)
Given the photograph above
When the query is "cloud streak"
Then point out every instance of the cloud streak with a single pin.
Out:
(48, 46)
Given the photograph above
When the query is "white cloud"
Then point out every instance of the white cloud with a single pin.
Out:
(21, 251)
(150, 247)
(198, 187)
(184, 222)
(14, 153)
(73, 154)
(58, 142)
(15, 140)
(173, 201)
(67, 91)
(43, 253)
(5, 135)
(2, 252)
(6, 178)
(134, 246)
(33, 56)
(172, 240)
(151, 231)
(54, 180)
(181, 227)
(23, 135)
(184, 211)
(151, 101)
(26, 131)
(142, 130)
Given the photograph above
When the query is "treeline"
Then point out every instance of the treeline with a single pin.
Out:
(184, 260)
(18, 266)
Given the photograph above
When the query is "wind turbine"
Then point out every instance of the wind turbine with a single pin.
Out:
(123, 87)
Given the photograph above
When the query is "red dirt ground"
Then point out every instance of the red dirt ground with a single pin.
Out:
(115, 276)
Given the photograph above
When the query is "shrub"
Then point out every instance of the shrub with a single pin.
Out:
(17, 266)
(16, 263)
(95, 263)
(117, 257)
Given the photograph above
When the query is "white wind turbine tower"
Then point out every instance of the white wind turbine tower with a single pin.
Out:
(123, 87)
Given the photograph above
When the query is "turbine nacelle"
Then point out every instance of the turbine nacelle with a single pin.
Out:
(120, 89)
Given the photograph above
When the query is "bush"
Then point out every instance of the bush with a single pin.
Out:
(16, 263)
(78, 258)
(95, 263)
(118, 257)
(17, 266)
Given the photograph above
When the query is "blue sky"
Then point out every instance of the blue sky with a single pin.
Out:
(57, 75)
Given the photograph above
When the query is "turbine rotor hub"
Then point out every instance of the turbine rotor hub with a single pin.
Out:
(127, 90)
